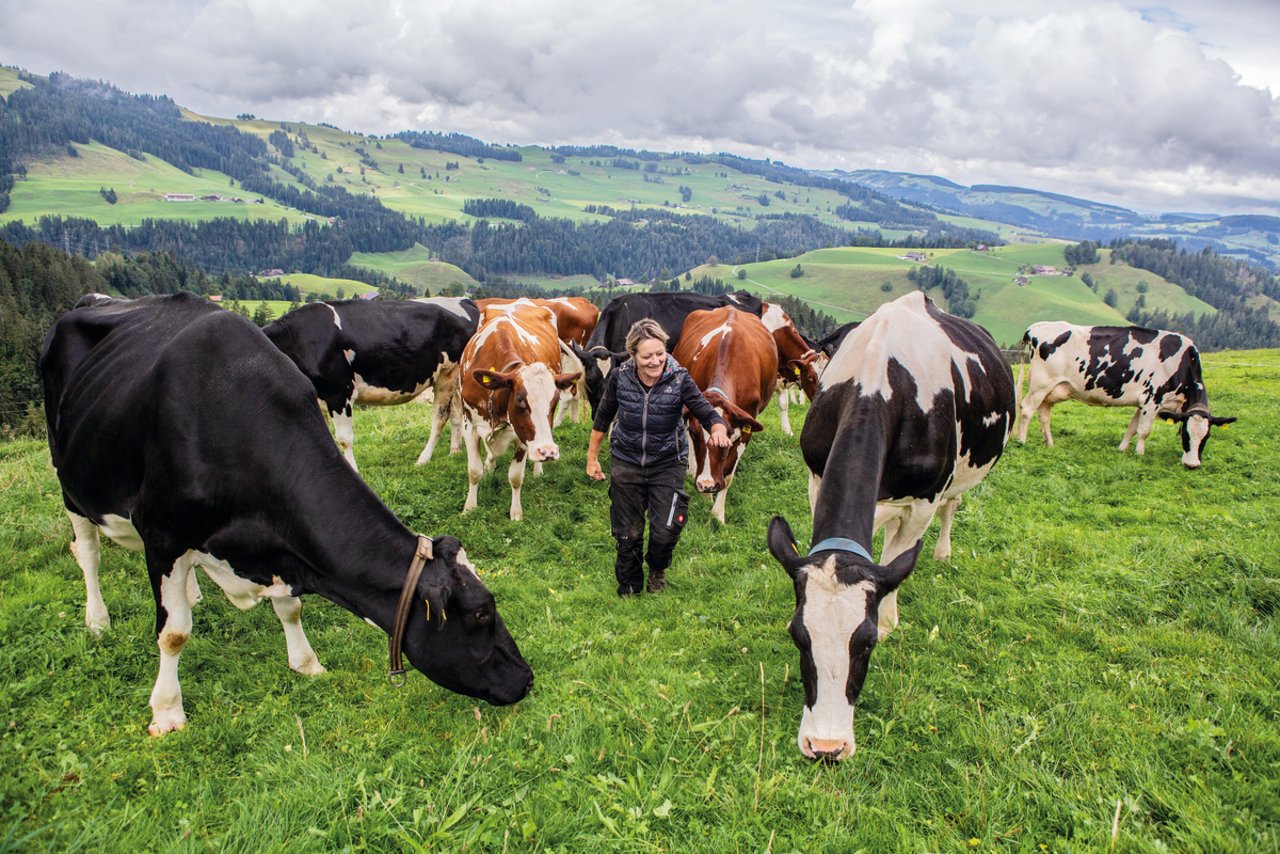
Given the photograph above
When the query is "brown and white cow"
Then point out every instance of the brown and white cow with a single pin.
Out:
(1157, 372)
(576, 319)
(732, 358)
(799, 364)
(913, 410)
(511, 383)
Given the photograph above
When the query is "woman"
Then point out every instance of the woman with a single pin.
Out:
(649, 453)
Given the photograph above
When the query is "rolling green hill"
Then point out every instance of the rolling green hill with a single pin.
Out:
(850, 283)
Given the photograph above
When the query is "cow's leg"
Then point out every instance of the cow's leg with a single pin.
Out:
(1030, 403)
(173, 628)
(784, 403)
(1130, 430)
(515, 475)
(87, 548)
(1043, 412)
(947, 512)
(911, 526)
(475, 465)
(302, 657)
(344, 431)
(441, 409)
(1146, 421)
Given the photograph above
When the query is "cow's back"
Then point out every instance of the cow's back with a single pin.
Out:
(728, 342)
(939, 385)
(177, 395)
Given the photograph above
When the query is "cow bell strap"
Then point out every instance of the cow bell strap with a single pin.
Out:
(420, 557)
(841, 544)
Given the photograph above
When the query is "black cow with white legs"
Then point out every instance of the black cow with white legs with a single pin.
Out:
(1156, 372)
(913, 410)
(178, 428)
(379, 353)
(607, 346)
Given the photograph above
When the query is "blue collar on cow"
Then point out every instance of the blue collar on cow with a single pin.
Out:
(841, 544)
(717, 388)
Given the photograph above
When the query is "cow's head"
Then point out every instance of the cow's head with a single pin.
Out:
(1193, 429)
(806, 371)
(596, 364)
(454, 635)
(525, 396)
(714, 464)
(838, 594)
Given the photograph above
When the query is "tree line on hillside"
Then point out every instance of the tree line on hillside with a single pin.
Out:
(457, 143)
(960, 301)
(1224, 283)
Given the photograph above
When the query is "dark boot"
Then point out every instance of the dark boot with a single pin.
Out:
(657, 580)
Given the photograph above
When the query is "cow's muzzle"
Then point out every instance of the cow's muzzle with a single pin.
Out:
(545, 453)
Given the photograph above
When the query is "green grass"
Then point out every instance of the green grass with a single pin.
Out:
(415, 267)
(849, 283)
(1106, 632)
(69, 187)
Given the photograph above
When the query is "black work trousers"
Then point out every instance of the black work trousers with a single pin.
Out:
(637, 491)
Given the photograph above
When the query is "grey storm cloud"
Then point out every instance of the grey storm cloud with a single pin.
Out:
(1166, 106)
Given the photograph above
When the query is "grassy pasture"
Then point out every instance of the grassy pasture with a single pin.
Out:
(847, 283)
(415, 267)
(68, 186)
(1104, 639)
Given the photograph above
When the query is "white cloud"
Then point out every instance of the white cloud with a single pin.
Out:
(1152, 107)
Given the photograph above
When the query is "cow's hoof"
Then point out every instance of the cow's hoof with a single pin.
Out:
(167, 722)
(310, 667)
(98, 625)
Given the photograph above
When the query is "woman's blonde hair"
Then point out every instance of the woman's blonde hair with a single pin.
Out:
(643, 329)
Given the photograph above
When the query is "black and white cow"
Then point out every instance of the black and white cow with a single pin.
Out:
(913, 410)
(1155, 371)
(231, 468)
(607, 346)
(379, 352)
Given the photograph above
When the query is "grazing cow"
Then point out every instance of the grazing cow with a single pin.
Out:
(798, 360)
(913, 410)
(1156, 371)
(607, 346)
(510, 381)
(576, 319)
(233, 470)
(379, 352)
(732, 358)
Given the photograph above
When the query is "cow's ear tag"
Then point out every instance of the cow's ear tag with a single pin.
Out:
(1226, 426)
(1168, 421)
(484, 380)
(796, 370)
(746, 431)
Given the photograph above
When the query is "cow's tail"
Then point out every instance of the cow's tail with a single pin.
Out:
(1023, 358)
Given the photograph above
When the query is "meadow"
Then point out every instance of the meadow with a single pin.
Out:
(851, 282)
(1096, 669)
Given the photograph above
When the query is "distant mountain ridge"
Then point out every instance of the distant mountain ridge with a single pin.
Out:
(1248, 237)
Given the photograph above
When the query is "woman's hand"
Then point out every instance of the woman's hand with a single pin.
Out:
(593, 469)
(719, 436)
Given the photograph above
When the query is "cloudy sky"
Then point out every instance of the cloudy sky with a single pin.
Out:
(1164, 106)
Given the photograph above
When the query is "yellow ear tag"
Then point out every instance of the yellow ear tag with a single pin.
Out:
(796, 371)
(484, 380)
(1226, 426)
(746, 431)
(795, 548)
(1168, 420)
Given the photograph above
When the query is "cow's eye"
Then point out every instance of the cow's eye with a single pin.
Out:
(483, 616)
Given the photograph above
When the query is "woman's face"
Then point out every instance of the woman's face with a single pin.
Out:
(650, 357)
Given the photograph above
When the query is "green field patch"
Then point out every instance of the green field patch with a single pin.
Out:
(416, 267)
(70, 186)
(1103, 642)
